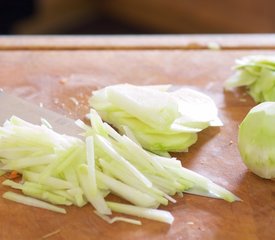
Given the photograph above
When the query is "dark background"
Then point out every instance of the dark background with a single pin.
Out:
(136, 16)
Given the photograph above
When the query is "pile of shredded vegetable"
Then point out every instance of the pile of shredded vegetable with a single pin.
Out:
(59, 170)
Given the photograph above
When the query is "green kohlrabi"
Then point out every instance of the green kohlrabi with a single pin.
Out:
(257, 140)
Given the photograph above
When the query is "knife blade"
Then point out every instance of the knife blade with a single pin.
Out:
(14, 106)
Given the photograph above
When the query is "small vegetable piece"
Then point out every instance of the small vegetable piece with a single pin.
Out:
(117, 219)
(50, 234)
(257, 74)
(32, 202)
(154, 214)
(160, 121)
(256, 140)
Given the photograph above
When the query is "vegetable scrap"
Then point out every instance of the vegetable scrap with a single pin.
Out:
(257, 74)
(50, 234)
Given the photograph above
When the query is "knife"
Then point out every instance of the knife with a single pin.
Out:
(14, 106)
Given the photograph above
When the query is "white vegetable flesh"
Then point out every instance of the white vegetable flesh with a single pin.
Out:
(159, 120)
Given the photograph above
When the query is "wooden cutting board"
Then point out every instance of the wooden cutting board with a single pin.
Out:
(54, 71)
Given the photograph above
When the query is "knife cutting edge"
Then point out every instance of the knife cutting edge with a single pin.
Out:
(14, 106)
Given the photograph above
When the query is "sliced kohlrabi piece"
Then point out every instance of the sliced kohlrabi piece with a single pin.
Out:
(196, 109)
(156, 109)
(160, 121)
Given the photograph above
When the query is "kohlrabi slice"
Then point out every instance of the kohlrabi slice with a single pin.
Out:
(160, 120)
(196, 109)
(155, 108)
(256, 140)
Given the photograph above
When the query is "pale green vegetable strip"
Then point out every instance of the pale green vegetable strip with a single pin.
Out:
(38, 191)
(162, 183)
(44, 193)
(12, 184)
(206, 184)
(71, 176)
(167, 161)
(143, 155)
(97, 123)
(170, 198)
(123, 176)
(68, 161)
(129, 133)
(77, 194)
(112, 132)
(32, 202)
(63, 193)
(54, 164)
(154, 214)
(128, 149)
(125, 191)
(36, 169)
(221, 192)
(90, 155)
(117, 219)
(85, 127)
(107, 148)
(26, 162)
(55, 183)
(93, 195)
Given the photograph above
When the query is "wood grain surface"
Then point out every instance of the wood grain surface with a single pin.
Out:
(51, 77)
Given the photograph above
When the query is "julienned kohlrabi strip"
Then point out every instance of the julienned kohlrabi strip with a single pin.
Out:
(79, 172)
(159, 120)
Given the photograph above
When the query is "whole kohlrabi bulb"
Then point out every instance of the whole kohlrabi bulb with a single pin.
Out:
(256, 140)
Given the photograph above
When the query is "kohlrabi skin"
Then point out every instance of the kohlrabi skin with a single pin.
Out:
(257, 74)
(257, 140)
